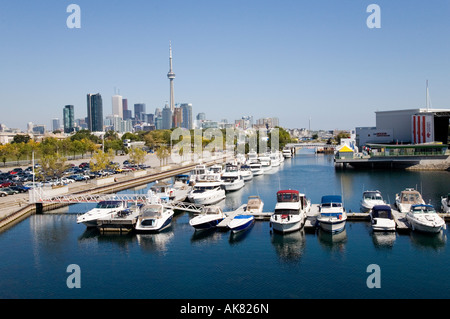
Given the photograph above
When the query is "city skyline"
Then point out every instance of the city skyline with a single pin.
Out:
(295, 60)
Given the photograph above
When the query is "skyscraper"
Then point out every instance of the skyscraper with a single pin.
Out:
(95, 112)
(139, 111)
(187, 116)
(117, 106)
(69, 119)
(167, 118)
(171, 77)
(55, 124)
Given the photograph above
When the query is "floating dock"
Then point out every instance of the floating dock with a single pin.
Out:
(121, 223)
(400, 218)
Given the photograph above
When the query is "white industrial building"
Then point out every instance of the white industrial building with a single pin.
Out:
(410, 126)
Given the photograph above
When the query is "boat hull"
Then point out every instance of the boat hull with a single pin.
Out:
(287, 224)
(205, 224)
(230, 187)
(425, 228)
(383, 224)
(208, 199)
(332, 225)
(239, 224)
(154, 225)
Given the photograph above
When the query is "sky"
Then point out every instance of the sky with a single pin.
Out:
(309, 63)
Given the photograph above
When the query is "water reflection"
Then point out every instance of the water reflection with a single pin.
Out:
(236, 238)
(332, 242)
(155, 243)
(428, 241)
(384, 239)
(289, 247)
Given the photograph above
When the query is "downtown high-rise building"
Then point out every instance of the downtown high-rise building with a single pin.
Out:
(117, 106)
(68, 119)
(187, 116)
(167, 118)
(95, 112)
(139, 112)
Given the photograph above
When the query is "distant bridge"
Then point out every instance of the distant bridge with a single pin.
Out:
(309, 145)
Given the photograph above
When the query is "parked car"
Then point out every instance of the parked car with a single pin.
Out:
(20, 188)
(3, 194)
(10, 191)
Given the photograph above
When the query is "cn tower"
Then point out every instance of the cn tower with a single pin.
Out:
(171, 76)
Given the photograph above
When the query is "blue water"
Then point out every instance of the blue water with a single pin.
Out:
(256, 264)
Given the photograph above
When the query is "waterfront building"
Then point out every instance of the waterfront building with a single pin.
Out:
(68, 119)
(95, 112)
(117, 105)
(171, 77)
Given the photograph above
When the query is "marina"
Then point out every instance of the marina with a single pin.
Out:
(237, 254)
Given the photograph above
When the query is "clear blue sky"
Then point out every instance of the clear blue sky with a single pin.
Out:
(287, 58)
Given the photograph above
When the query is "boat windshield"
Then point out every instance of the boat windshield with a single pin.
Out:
(152, 211)
(211, 210)
(287, 197)
(287, 211)
(382, 214)
(373, 196)
(423, 209)
(108, 204)
(327, 205)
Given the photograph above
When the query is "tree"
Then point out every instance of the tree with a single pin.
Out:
(53, 166)
(162, 153)
(20, 138)
(100, 160)
(137, 155)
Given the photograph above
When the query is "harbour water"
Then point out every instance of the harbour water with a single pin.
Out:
(257, 264)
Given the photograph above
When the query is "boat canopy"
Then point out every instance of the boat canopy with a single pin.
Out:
(382, 211)
(376, 195)
(410, 196)
(331, 199)
(152, 211)
(288, 196)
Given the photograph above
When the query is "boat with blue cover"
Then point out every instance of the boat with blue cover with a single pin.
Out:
(241, 223)
(332, 215)
(209, 218)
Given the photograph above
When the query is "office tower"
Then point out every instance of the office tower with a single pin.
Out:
(201, 116)
(125, 104)
(166, 118)
(177, 117)
(150, 118)
(68, 119)
(187, 116)
(117, 106)
(139, 111)
(158, 112)
(171, 77)
(30, 127)
(56, 124)
(95, 112)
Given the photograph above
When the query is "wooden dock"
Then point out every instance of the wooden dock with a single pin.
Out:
(118, 223)
(400, 218)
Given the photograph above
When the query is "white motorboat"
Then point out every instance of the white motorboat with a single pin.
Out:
(208, 218)
(265, 162)
(445, 203)
(290, 211)
(182, 187)
(246, 173)
(216, 169)
(103, 209)
(274, 159)
(241, 222)
(332, 215)
(199, 170)
(251, 157)
(407, 198)
(254, 206)
(287, 153)
(256, 168)
(154, 218)
(207, 190)
(232, 179)
(381, 218)
(166, 192)
(424, 218)
(370, 199)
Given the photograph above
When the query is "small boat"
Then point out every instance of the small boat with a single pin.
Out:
(445, 203)
(207, 190)
(103, 209)
(254, 206)
(198, 171)
(208, 218)
(287, 153)
(407, 198)
(241, 222)
(246, 173)
(370, 199)
(381, 218)
(265, 162)
(424, 218)
(154, 218)
(290, 211)
(256, 168)
(251, 157)
(232, 179)
(274, 159)
(332, 215)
